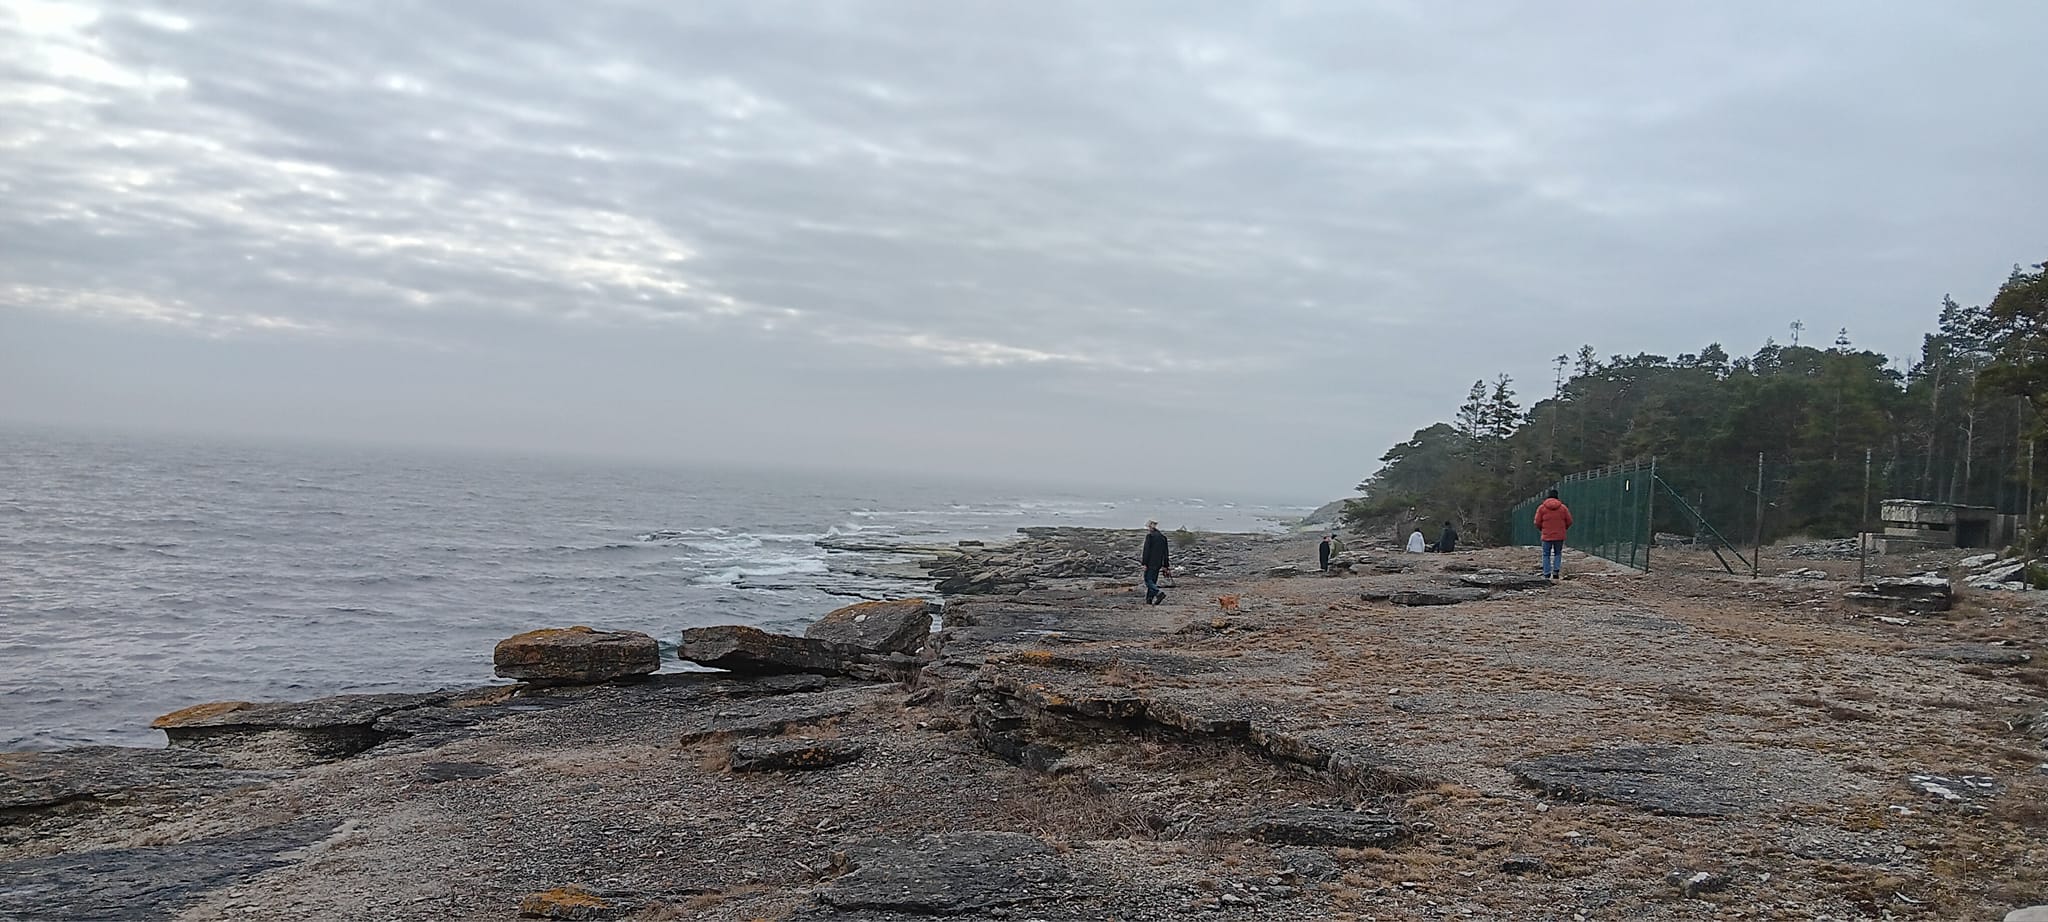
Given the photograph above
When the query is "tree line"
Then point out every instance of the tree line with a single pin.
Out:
(1961, 424)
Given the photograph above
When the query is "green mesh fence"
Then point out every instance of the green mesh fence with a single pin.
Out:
(1610, 513)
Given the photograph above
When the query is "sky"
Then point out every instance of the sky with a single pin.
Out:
(1192, 246)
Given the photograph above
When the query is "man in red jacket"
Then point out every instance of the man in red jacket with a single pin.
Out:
(1553, 520)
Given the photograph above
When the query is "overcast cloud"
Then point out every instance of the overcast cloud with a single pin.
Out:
(1205, 246)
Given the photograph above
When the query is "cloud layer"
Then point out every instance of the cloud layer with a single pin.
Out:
(1302, 221)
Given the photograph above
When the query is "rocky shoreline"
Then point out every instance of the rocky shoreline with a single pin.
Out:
(1409, 737)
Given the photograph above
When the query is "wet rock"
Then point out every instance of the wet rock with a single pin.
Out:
(1453, 596)
(1678, 780)
(1910, 594)
(151, 882)
(440, 772)
(1504, 579)
(1693, 884)
(1804, 573)
(877, 627)
(286, 734)
(571, 903)
(32, 783)
(952, 874)
(1981, 654)
(575, 656)
(1318, 826)
(792, 755)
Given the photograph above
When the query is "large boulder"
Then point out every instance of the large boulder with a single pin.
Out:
(739, 648)
(899, 626)
(286, 734)
(575, 656)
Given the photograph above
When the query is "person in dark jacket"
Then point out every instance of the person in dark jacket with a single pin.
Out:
(1155, 563)
(1323, 554)
(1553, 523)
(1448, 541)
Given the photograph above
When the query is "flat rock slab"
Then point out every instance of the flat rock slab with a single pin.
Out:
(145, 883)
(768, 717)
(575, 656)
(1318, 826)
(899, 626)
(793, 755)
(952, 874)
(1679, 780)
(1452, 596)
(31, 782)
(1504, 579)
(287, 734)
(1978, 653)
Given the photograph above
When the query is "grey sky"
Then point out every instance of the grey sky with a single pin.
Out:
(1205, 246)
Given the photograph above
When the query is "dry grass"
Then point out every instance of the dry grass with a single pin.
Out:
(1067, 808)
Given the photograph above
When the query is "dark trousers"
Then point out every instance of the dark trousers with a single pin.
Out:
(1152, 583)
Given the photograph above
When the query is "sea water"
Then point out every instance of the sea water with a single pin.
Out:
(142, 574)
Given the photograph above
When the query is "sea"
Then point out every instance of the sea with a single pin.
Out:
(144, 573)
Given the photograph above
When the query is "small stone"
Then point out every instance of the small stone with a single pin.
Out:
(1691, 884)
(1523, 864)
(2029, 914)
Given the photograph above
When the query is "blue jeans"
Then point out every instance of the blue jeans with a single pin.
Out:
(1553, 558)
(1152, 583)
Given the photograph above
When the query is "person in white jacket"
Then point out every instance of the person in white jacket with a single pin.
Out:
(1416, 543)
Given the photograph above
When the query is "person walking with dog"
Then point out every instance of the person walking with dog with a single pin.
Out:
(1155, 563)
(1553, 522)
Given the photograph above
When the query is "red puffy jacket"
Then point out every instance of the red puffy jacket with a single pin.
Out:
(1553, 518)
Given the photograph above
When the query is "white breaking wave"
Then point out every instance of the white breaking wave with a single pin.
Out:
(789, 566)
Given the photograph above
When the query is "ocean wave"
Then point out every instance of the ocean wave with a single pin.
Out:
(798, 566)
